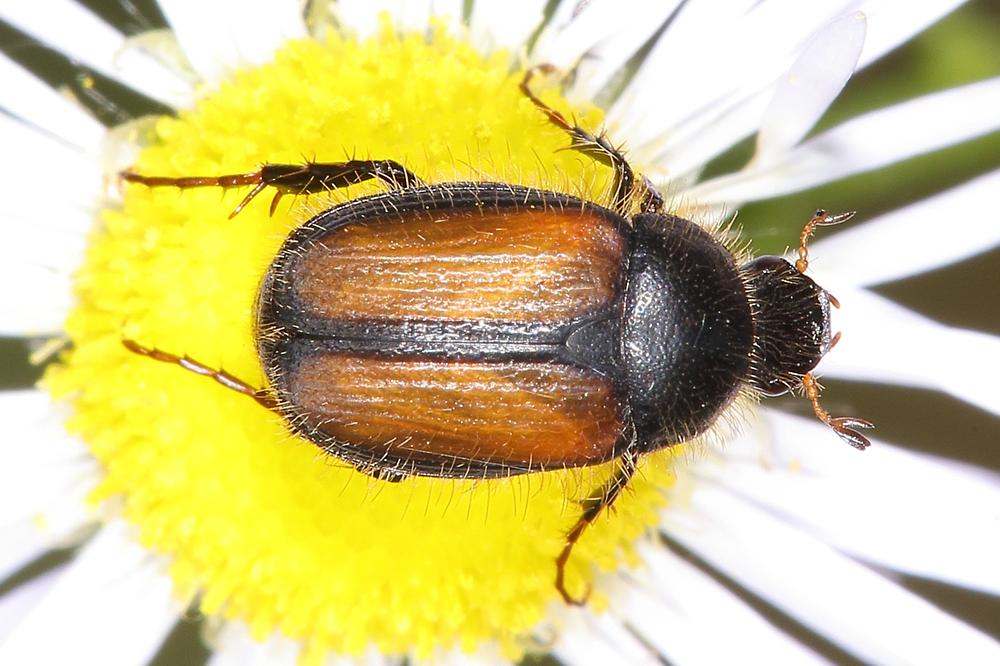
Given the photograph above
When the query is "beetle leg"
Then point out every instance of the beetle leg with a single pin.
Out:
(599, 148)
(221, 376)
(593, 507)
(306, 178)
(845, 426)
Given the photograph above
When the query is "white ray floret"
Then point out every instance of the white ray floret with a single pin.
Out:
(43, 165)
(887, 342)
(84, 37)
(864, 143)
(595, 640)
(811, 84)
(43, 489)
(362, 16)
(35, 103)
(681, 149)
(19, 601)
(692, 619)
(928, 234)
(851, 604)
(219, 37)
(905, 511)
(741, 55)
(44, 234)
(598, 41)
(234, 646)
(113, 583)
(494, 25)
(40, 307)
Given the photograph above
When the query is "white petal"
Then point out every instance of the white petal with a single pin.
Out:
(717, 67)
(854, 606)
(810, 86)
(33, 241)
(597, 640)
(683, 158)
(113, 604)
(485, 655)
(565, 40)
(494, 25)
(36, 446)
(447, 8)
(417, 16)
(682, 66)
(371, 657)
(39, 308)
(684, 150)
(38, 253)
(45, 476)
(887, 506)
(599, 39)
(41, 236)
(867, 142)
(16, 603)
(30, 174)
(22, 544)
(220, 37)
(681, 610)
(234, 646)
(885, 342)
(82, 36)
(412, 15)
(30, 99)
(925, 235)
(362, 16)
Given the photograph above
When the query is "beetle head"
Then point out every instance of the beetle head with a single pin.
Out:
(791, 316)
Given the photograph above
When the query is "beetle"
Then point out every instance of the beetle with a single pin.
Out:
(484, 329)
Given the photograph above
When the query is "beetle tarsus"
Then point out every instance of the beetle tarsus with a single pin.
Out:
(571, 539)
(845, 426)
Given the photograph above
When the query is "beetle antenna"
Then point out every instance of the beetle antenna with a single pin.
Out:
(820, 219)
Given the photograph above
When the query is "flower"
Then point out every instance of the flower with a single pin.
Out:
(217, 520)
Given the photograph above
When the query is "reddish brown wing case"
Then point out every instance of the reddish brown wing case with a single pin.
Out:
(431, 331)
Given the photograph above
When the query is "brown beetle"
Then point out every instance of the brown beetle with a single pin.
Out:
(478, 329)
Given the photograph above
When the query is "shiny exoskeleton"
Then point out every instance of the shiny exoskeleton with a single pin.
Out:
(478, 329)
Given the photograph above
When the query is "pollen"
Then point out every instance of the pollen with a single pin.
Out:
(263, 527)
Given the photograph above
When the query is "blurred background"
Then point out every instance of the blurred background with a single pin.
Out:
(963, 48)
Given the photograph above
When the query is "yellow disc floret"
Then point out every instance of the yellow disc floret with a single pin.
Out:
(267, 528)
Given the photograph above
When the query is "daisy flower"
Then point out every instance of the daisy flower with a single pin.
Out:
(182, 498)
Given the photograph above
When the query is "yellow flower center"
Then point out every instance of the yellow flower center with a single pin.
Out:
(269, 529)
